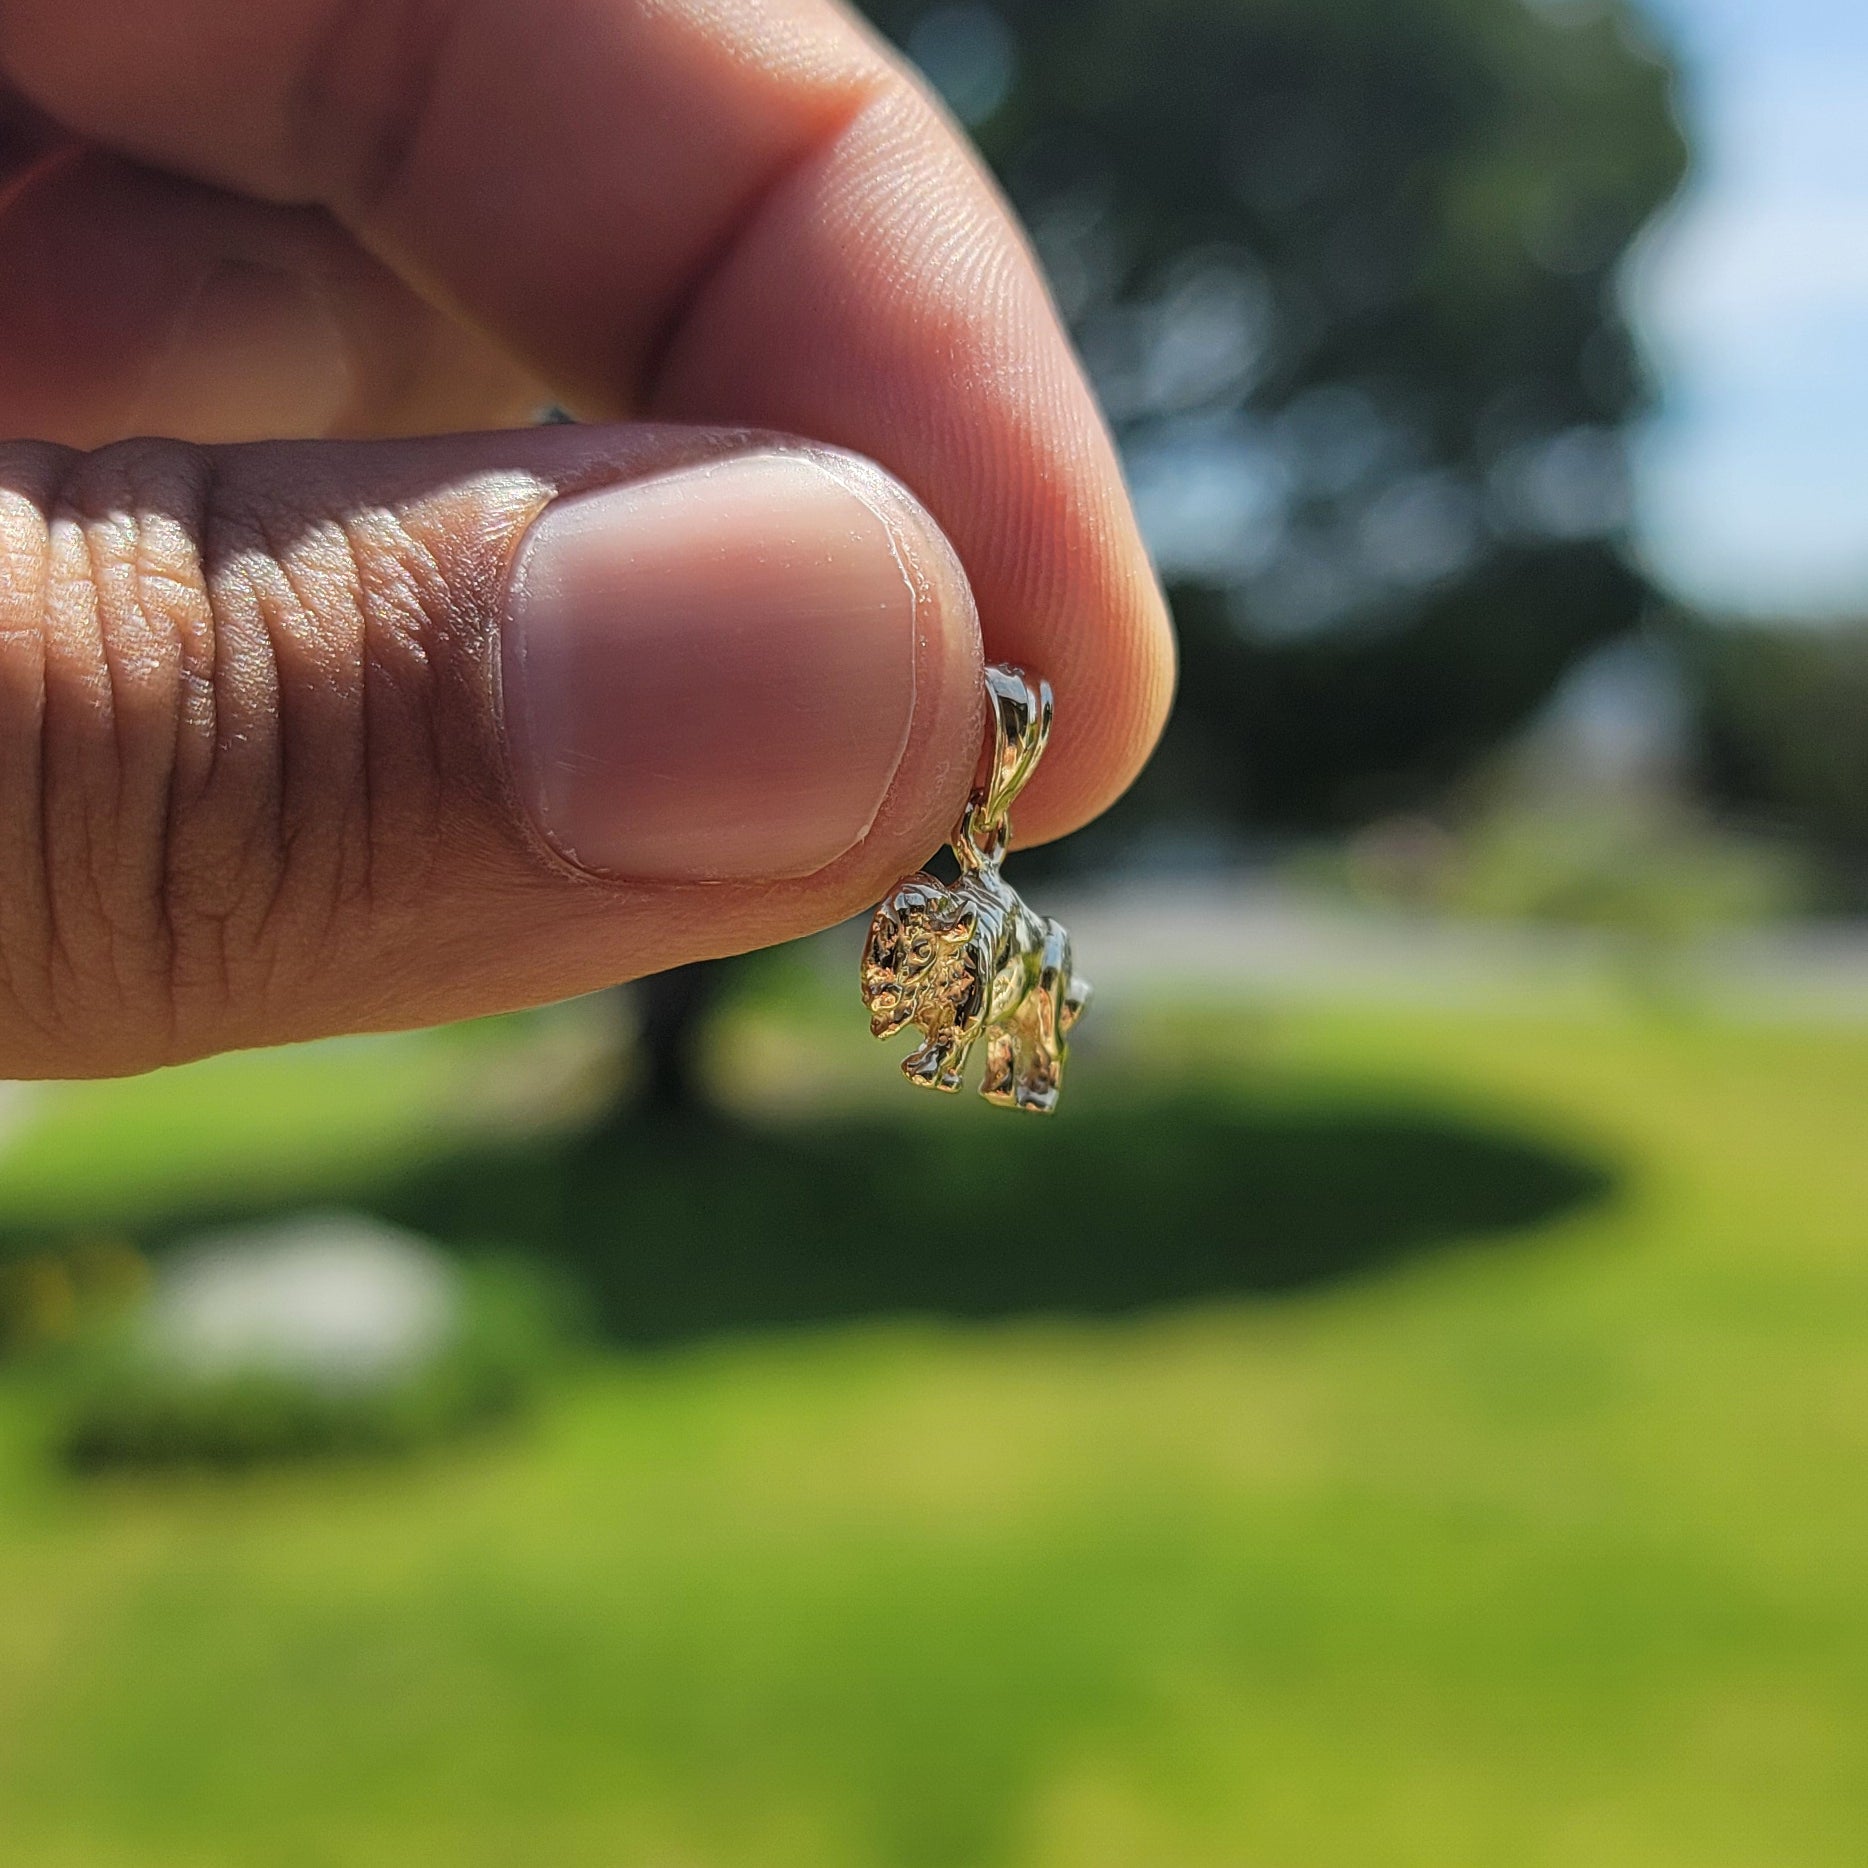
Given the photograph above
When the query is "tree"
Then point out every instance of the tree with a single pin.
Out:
(1343, 271)
(1780, 710)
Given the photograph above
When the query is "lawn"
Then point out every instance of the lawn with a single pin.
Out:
(1345, 1439)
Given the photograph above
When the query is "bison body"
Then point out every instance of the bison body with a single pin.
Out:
(969, 962)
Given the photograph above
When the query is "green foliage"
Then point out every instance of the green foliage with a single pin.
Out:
(1645, 870)
(120, 1406)
(278, 1128)
(1654, 877)
(1359, 254)
(54, 1289)
(1782, 712)
(1331, 729)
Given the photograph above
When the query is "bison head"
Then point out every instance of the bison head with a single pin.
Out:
(916, 958)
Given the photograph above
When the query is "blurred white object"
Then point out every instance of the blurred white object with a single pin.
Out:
(338, 1299)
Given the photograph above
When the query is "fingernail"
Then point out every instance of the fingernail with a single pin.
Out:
(710, 676)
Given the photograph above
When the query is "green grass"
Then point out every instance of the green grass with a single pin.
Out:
(305, 1122)
(1537, 1536)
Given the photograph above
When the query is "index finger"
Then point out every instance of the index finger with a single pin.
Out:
(736, 211)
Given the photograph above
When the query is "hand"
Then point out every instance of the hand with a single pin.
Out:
(336, 732)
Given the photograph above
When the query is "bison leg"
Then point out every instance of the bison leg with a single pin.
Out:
(1044, 1018)
(938, 1063)
(1028, 1077)
(1042, 1065)
(1001, 1062)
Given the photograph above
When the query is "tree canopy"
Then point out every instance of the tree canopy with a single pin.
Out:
(1344, 271)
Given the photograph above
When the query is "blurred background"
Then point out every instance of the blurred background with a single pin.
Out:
(1411, 1407)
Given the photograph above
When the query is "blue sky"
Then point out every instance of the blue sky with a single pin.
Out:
(1753, 298)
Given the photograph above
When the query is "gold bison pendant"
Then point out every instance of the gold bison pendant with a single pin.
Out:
(970, 962)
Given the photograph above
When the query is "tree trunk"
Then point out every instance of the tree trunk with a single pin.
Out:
(671, 1011)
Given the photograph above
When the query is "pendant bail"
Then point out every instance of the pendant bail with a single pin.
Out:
(1020, 718)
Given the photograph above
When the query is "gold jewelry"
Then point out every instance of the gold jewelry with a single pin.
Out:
(971, 961)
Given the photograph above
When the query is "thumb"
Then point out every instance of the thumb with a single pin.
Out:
(306, 738)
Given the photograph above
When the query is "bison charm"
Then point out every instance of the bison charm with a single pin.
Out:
(968, 962)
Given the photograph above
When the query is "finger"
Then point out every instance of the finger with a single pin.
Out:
(133, 302)
(25, 134)
(706, 208)
(307, 738)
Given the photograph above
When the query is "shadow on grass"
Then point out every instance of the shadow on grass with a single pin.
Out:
(683, 1231)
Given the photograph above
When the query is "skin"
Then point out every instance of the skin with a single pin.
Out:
(252, 783)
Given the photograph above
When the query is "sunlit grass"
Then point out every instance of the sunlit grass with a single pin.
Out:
(308, 1122)
(1548, 1550)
